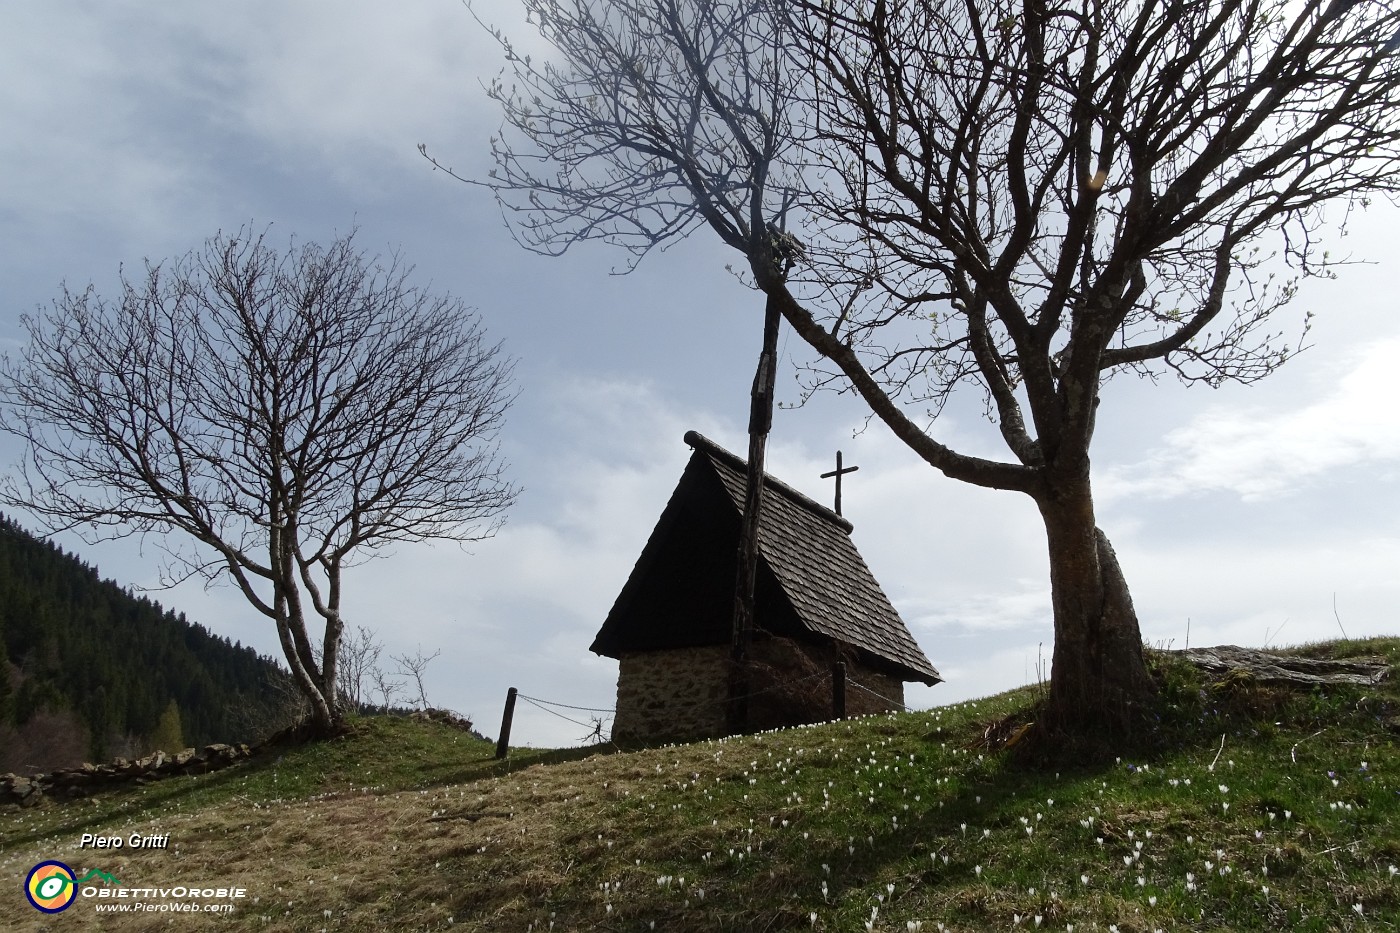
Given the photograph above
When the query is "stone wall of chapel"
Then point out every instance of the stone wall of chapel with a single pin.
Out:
(678, 695)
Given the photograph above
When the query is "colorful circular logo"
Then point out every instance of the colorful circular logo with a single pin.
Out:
(50, 887)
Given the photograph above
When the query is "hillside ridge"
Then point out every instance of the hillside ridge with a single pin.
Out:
(89, 671)
(1259, 807)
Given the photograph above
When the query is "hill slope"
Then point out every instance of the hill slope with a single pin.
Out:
(89, 671)
(1262, 810)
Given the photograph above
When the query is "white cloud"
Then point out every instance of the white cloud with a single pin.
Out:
(345, 79)
(1250, 592)
(952, 557)
(85, 141)
(972, 670)
(139, 128)
(1263, 453)
(160, 113)
(522, 609)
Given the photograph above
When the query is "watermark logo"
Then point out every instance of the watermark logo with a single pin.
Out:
(51, 887)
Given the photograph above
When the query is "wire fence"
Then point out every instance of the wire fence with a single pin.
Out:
(597, 724)
(860, 686)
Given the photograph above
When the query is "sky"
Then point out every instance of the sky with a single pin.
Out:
(1260, 515)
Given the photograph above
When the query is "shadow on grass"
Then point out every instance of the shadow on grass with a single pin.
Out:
(313, 766)
(86, 814)
(521, 758)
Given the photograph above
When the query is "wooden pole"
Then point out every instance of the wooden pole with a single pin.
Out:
(503, 744)
(760, 421)
(838, 690)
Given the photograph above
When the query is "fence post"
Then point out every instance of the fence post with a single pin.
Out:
(503, 744)
(838, 690)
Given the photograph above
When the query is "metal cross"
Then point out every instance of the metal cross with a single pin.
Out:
(838, 473)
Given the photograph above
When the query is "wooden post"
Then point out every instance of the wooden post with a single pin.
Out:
(503, 744)
(760, 421)
(838, 690)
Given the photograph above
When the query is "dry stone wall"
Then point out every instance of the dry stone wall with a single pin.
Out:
(792, 681)
(678, 695)
(447, 717)
(26, 791)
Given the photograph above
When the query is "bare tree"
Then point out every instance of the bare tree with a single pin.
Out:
(288, 412)
(673, 117)
(359, 661)
(413, 666)
(387, 687)
(1021, 198)
(1048, 193)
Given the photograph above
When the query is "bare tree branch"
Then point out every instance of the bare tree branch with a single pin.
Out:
(289, 412)
(414, 666)
(1023, 198)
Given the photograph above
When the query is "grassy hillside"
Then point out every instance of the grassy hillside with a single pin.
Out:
(1262, 809)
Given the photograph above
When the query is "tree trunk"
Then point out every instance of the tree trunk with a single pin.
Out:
(1099, 685)
(324, 716)
(330, 669)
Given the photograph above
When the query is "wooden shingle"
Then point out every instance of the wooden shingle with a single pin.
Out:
(812, 582)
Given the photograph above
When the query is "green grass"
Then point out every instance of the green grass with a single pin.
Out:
(1258, 809)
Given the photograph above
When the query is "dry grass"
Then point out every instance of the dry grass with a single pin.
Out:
(408, 826)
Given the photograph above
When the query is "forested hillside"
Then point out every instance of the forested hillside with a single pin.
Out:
(89, 671)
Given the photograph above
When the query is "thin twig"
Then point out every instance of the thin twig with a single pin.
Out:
(1217, 752)
(1294, 753)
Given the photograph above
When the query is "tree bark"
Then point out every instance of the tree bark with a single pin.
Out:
(323, 716)
(1099, 685)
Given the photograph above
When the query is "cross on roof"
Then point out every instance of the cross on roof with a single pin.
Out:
(838, 472)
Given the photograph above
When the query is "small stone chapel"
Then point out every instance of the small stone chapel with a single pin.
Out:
(815, 603)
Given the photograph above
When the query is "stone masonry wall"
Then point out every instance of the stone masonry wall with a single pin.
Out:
(679, 695)
(674, 695)
(861, 703)
(793, 681)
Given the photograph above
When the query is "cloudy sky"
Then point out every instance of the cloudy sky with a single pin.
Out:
(134, 130)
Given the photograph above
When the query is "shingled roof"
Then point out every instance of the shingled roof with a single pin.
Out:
(811, 579)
